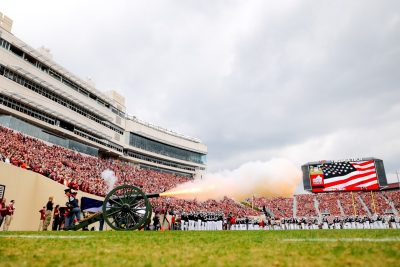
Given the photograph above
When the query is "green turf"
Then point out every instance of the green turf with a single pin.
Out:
(203, 248)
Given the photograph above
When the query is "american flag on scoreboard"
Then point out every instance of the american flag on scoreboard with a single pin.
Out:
(359, 175)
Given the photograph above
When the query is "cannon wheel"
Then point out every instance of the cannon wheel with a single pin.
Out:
(126, 207)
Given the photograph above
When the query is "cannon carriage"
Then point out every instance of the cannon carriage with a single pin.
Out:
(124, 208)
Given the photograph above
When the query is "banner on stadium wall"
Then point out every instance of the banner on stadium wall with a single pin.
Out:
(343, 176)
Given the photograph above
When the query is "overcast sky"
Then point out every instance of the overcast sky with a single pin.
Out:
(254, 80)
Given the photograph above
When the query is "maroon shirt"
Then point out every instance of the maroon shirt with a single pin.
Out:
(3, 209)
(42, 214)
(10, 209)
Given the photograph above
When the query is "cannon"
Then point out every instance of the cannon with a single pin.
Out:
(124, 208)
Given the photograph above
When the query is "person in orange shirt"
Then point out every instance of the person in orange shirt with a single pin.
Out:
(24, 165)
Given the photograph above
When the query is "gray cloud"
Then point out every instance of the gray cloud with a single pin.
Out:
(253, 80)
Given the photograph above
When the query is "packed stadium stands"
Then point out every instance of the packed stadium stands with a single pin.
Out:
(328, 204)
(226, 205)
(63, 165)
(394, 198)
(305, 206)
(376, 203)
(278, 207)
(342, 204)
(66, 166)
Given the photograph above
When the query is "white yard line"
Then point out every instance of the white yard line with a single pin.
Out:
(342, 240)
(45, 236)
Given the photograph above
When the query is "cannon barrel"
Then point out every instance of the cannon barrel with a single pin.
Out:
(138, 197)
(153, 195)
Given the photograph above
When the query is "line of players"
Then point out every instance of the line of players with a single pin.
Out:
(202, 221)
(217, 221)
(376, 222)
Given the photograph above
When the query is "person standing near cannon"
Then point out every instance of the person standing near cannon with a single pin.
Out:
(56, 218)
(9, 215)
(73, 207)
(48, 214)
(156, 221)
(42, 217)
(3, 210)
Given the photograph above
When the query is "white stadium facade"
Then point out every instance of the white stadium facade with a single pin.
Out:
(40, 98)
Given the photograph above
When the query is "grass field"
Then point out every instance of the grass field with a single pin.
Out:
(202, 248)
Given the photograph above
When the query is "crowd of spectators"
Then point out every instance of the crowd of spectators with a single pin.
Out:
(394, 198)
(226, 205)
(280, 207)
(351, 204)
(375, 202)
(328, 204)
(66, 166)
(305, 206)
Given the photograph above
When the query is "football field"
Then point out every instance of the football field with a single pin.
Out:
(202, 248)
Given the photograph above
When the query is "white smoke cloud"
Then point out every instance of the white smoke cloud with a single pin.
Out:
(110, 179)
(277, 177)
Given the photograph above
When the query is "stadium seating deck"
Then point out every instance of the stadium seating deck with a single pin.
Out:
(66, 166)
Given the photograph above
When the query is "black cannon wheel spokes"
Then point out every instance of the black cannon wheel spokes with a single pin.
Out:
(126, 207)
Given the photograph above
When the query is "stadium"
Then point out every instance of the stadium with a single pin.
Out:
(58, 133)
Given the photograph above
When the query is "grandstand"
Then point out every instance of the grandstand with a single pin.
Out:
(62, 165)
(40, 98)
(343, 204)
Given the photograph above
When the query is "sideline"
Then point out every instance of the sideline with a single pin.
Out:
(45, 236)
(341, 240)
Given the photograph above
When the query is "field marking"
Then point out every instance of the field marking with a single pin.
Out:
(341, 240)
(45, 236)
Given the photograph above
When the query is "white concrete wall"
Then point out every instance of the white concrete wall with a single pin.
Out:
(31, 192)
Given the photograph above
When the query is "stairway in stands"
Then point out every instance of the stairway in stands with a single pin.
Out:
(316, 205)
(340, 207)
(364, 206)
(391, 204)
